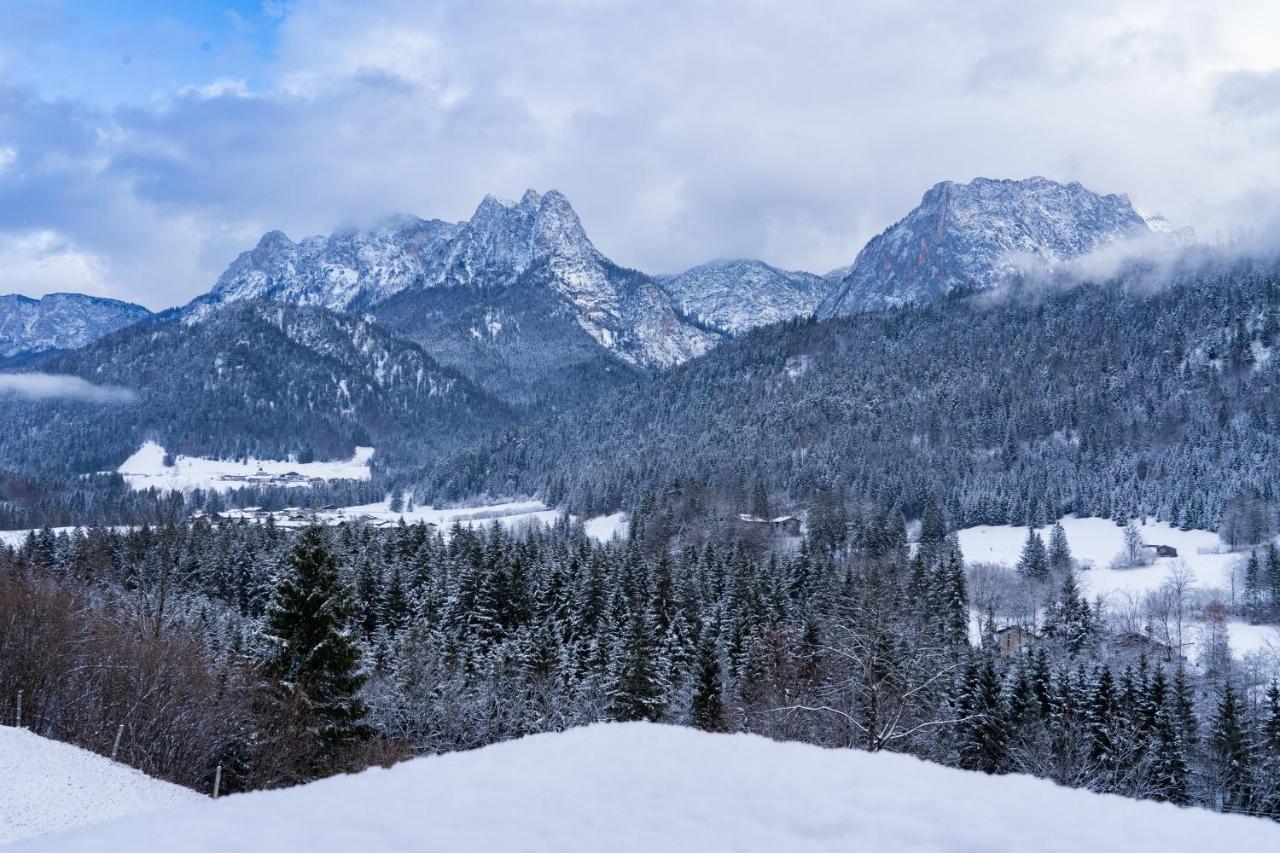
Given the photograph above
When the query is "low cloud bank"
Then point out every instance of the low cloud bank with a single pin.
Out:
(56, 386)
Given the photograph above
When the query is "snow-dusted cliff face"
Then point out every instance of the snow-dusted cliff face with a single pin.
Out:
(61, 321)
(503, 241)
(976, 235)
(737, 295)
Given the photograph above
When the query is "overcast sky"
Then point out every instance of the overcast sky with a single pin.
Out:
(142, 148)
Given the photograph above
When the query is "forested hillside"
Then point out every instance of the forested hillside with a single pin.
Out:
(1112, 399)
(253, 378)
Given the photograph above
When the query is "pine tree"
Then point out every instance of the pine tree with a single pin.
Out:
(1184, 708)
(636, 688)
(1169, 773)
(1059, 556)
(707, 708)
(1102, 718)
(310, 651)
(981, 734)
(1273, 578)
(1271, 722)
(1034, 561)
(1230, 753)
(1253, 584)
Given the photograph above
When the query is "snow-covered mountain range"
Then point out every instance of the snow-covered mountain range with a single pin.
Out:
(738, 295)
(60, 321)
(976, 235)
(625, 313)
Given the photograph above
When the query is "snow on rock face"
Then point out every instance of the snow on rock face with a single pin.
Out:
(49, 787)
(737, 295)
(61, 321)
(503, 240)
(641, 787)
(976, 235)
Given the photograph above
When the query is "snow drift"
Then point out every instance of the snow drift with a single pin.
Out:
(640, 787)
(47, 786)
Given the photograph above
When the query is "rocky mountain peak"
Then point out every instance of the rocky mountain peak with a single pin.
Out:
(977, 234)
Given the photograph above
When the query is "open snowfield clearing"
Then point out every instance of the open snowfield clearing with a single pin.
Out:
(511, 515)
(1095, 544)
(606, 528)
(15, 538)
(146, 470)
(641, 787)
(47, 786)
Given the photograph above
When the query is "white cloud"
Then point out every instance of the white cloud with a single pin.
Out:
(50, 386)
(8, 156)
(39, 262)
(787, 131)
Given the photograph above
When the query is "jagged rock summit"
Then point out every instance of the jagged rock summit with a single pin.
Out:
(540, 236)
(976, 235)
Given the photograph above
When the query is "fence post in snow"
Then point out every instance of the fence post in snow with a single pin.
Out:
(217, 780)
(18, 723)
(119, 733)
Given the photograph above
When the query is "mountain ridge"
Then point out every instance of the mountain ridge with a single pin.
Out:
(625, 312)
(58, 321)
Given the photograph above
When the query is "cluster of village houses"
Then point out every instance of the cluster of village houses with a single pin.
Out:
(329, 514)
(262, 478)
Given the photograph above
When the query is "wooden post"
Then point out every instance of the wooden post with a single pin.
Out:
(18, 724)
(116, 749)
(217, 781)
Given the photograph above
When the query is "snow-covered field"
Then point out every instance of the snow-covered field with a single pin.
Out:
(47, 786)
(14, 538)
(146, 469)
(1095, 544)
(605, 528)
(641, 787)
(511, 515)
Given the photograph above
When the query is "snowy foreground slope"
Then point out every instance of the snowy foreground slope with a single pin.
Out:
(47, 786)
(646, 788)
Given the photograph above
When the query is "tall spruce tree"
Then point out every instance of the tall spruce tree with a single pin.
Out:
(1059, 556)
(636, 688)
(1034, 561)
(707, 708)
(310, 650)
(1169, 773)
(1230, 752)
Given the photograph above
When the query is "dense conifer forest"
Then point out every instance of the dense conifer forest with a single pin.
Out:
(284, 655)
(1114, 400)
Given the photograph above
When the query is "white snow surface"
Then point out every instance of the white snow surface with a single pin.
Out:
(642, 787)
(606, 528)
(47, 787)
(1096, 542)
(146, 469)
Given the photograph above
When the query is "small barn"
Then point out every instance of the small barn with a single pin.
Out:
(1013, 639)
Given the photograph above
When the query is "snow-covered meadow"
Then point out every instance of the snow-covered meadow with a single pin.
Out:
(643, 787)
(145, 469)
(1096, 543)
(512, 515)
